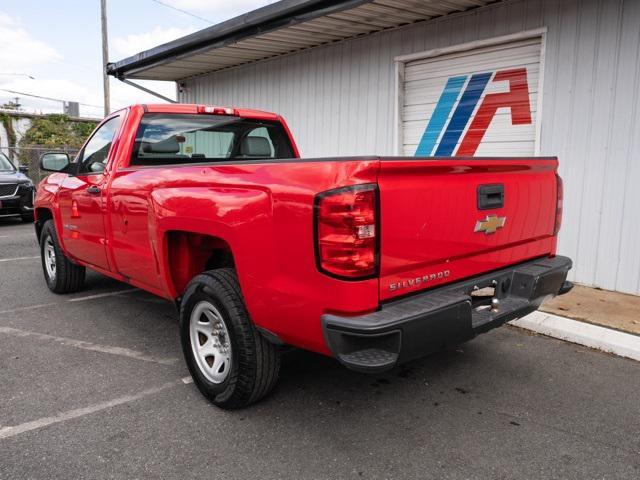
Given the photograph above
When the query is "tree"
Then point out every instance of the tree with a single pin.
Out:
(56, 131)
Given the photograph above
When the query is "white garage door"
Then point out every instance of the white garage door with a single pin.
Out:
(479, 102)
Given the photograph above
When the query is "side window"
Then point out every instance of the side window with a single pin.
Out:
(94, 156)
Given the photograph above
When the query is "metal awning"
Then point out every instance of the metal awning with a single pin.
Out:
(280, 28)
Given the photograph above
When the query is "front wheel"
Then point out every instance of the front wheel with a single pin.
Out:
(231, 363)
(61, 274)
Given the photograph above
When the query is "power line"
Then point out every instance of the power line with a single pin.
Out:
(183, 11)
(18, 75)
(47, 98)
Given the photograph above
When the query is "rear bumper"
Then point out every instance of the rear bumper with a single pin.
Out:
(415, 326)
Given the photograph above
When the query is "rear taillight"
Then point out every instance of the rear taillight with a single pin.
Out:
(559, 200)
(347, 232)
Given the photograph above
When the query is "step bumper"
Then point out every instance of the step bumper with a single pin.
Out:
(420, 324)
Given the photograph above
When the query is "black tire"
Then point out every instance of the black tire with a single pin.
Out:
(255, 362)
(28, 218)
(68, 277)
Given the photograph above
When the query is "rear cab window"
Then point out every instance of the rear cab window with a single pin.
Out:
(168, 139)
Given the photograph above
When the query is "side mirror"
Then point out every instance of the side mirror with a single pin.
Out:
(23, 169)
(54, 162)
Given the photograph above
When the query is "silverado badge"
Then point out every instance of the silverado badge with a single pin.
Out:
(490, 224)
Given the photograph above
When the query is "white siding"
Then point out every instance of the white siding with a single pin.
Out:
(339, 100)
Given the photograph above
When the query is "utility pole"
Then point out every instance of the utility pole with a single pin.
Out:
(105, 55)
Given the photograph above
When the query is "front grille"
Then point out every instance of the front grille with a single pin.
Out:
(8, 189)
(9, 212)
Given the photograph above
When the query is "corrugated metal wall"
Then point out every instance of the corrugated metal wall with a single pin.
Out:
(339, 100)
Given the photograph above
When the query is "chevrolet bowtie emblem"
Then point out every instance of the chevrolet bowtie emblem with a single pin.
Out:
(490, 224)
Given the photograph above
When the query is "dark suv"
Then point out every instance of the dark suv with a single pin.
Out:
(16, 191)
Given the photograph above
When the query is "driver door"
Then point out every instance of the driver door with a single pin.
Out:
(81, 197)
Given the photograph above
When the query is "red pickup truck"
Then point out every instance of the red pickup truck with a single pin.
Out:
(374, 261)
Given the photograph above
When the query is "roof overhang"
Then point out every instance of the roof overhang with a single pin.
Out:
(278, 29)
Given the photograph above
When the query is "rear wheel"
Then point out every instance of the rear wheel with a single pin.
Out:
(61, 274)
(231, 363)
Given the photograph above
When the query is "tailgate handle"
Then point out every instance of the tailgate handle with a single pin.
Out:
(490, 196)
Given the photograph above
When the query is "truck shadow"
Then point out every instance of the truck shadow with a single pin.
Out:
(326, 381)
(11, 222)
(310, 380)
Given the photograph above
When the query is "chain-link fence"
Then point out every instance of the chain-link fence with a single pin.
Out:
(29, 156)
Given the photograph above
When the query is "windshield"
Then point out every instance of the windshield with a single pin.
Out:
(173, 139)
(5, 164)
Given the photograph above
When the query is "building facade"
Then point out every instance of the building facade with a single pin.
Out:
(517, 77)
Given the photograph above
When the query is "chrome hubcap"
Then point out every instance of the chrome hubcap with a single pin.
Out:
(50, 258)
(210, 342)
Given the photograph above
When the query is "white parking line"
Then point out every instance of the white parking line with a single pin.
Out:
(30, 307)
(70, 342)
(8, 432)
(102, 295)
(78, 299)
(19, 235)
(17, 258)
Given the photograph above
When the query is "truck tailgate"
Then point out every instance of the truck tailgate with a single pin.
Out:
(446, 219)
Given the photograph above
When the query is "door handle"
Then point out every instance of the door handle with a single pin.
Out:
(93, 190)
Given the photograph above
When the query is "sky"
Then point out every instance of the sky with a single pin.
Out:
(57, 43)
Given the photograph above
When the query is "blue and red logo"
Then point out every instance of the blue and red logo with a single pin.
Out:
(436, 143)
